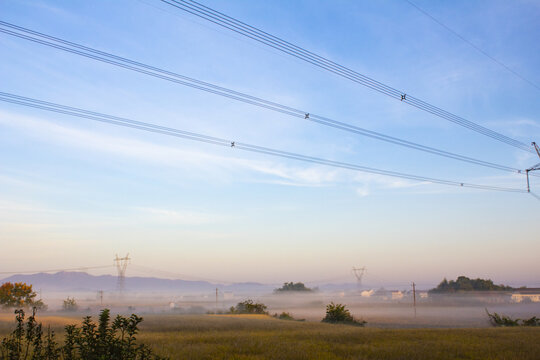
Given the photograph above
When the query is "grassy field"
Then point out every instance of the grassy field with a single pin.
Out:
(259, 337)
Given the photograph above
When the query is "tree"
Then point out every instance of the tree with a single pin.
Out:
(290, 286)
(70, 304)
(463, 283)
(19, 295)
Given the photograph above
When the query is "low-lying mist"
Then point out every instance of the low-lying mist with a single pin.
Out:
(393, 311)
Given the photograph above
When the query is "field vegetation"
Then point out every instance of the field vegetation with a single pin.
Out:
(259, 336)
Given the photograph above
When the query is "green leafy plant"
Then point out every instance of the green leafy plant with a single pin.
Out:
(502, 320)
(534, 321)
(286, 316)
(90, 341)
(339, 314)
(249, 307)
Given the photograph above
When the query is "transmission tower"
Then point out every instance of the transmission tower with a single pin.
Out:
(121, 265)
(359, 273)
(533, 168)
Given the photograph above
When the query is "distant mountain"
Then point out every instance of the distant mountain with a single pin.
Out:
(81, 281)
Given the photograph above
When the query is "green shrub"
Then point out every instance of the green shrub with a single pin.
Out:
(534, 321)
(339, 314)
(502, 320)
(90, 341)
(284, 316)
(249, 307)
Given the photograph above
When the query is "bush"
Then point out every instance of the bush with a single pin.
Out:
(91, 341)
(284, 316)
(249, 307)
(287, 316)
(502, 320)
(339, 314)
(534, 321)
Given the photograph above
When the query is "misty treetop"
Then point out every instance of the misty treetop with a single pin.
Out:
(463, 283)
(291, 286)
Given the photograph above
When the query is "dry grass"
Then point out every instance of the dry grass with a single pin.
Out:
(213, 337)
(242, 316)
(261, 337)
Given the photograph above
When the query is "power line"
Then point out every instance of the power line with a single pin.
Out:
(125, 63)
(477, 48)
(277, 43)
(182, 276)
(91, 115)
(54, 270)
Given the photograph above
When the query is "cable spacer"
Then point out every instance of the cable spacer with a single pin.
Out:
(403, 97)
(306, 116)
(232, 144)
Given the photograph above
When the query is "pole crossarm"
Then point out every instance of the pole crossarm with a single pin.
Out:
(534, 167)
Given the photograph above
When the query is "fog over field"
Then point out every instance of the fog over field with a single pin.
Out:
(380, 307)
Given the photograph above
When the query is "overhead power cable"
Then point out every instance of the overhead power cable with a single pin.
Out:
(146, 69)
(81, 113)
(55, 270)
(298, 52)
(477, 48)
(178, 276)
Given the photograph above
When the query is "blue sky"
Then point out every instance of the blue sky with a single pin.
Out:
(74, 192)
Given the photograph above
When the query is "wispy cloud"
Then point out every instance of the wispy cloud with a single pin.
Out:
(213, 166)
(177, 217)
(206, 162)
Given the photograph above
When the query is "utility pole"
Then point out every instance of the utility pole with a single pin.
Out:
(100, 292)
(414, 297)
(216, 300)
(121, 265)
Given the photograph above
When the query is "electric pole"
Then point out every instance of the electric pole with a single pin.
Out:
(414, 297)
(359, 273)
(121, 265)
(216, 300)
(100, 292)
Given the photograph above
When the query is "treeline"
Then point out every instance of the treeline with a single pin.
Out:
(291, 286)
(463, 283)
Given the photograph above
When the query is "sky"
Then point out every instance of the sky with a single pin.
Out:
(73, 192)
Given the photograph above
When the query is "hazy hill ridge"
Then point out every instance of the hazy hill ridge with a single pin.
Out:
(81, 281)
